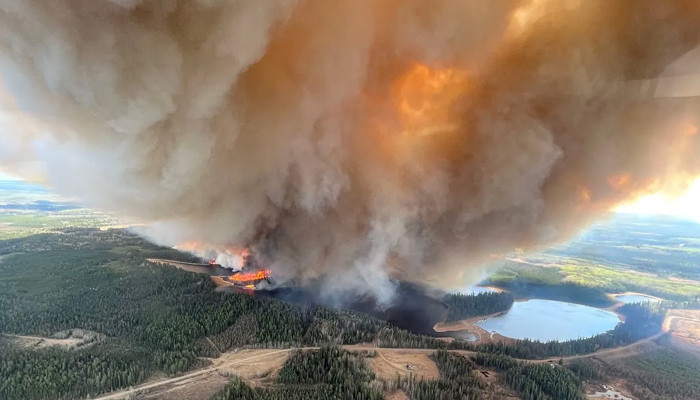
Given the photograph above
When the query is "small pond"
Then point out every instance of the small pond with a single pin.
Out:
(547, 320)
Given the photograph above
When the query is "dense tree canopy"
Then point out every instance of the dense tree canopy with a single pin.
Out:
(469, 306)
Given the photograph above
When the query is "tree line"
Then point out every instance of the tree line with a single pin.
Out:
(457, 380)
(534, 381)
(642, 320)
(328, 373)
(470, 306)
(157, 318)
(101, 281)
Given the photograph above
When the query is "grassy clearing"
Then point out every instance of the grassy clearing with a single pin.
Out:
(14, 224)
(607, 278)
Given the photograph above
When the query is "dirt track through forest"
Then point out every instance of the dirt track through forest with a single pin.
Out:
(632, 348)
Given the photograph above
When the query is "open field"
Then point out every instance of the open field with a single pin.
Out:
(257, 371)
(37, 342)
(684, 325)
(610, 279)
(258, 366)
(654, 255)
(195, 388)
(227, 362)
(15, 224)
(102, 280)
(71, 339)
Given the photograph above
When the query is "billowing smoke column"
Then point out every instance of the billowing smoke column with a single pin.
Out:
(354, 141)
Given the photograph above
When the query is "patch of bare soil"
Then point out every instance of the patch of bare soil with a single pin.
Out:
(684, 325)
(196, 388)
(258, 371)
(250, 361)
(614, 389)
(470, 326)
(390, 363)
(71, 339)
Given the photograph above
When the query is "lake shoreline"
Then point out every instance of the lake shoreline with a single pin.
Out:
(472, 325)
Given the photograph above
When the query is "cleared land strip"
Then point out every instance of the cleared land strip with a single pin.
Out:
(148, 386)
(216, 367)
(630, 348)
(44, 342)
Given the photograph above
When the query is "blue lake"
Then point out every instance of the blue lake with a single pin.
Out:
(547, 320)
(635, 298)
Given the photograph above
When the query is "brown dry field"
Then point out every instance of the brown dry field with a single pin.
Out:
(256, 372)
(684, 325)
(257, 367)
(390, 363)
(197, 388)
(37, 342)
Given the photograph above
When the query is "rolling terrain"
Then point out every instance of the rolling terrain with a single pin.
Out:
(84, 313)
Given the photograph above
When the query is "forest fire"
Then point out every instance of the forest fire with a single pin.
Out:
(246, 277)
(251, 272)
(412, 148)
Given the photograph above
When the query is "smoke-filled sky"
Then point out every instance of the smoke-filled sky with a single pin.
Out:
(355, 141)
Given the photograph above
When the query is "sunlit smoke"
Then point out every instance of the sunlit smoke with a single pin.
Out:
(355, 142)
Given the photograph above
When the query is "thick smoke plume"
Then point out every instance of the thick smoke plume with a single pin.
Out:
(355, 141)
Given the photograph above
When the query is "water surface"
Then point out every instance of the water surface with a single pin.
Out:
(547, 320)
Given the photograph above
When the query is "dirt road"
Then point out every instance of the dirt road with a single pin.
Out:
(605, 353)
(123, 394)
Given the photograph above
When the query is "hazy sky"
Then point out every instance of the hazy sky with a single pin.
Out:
(686, 206)
(5, 177)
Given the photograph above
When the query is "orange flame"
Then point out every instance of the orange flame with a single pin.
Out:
(243, 277)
